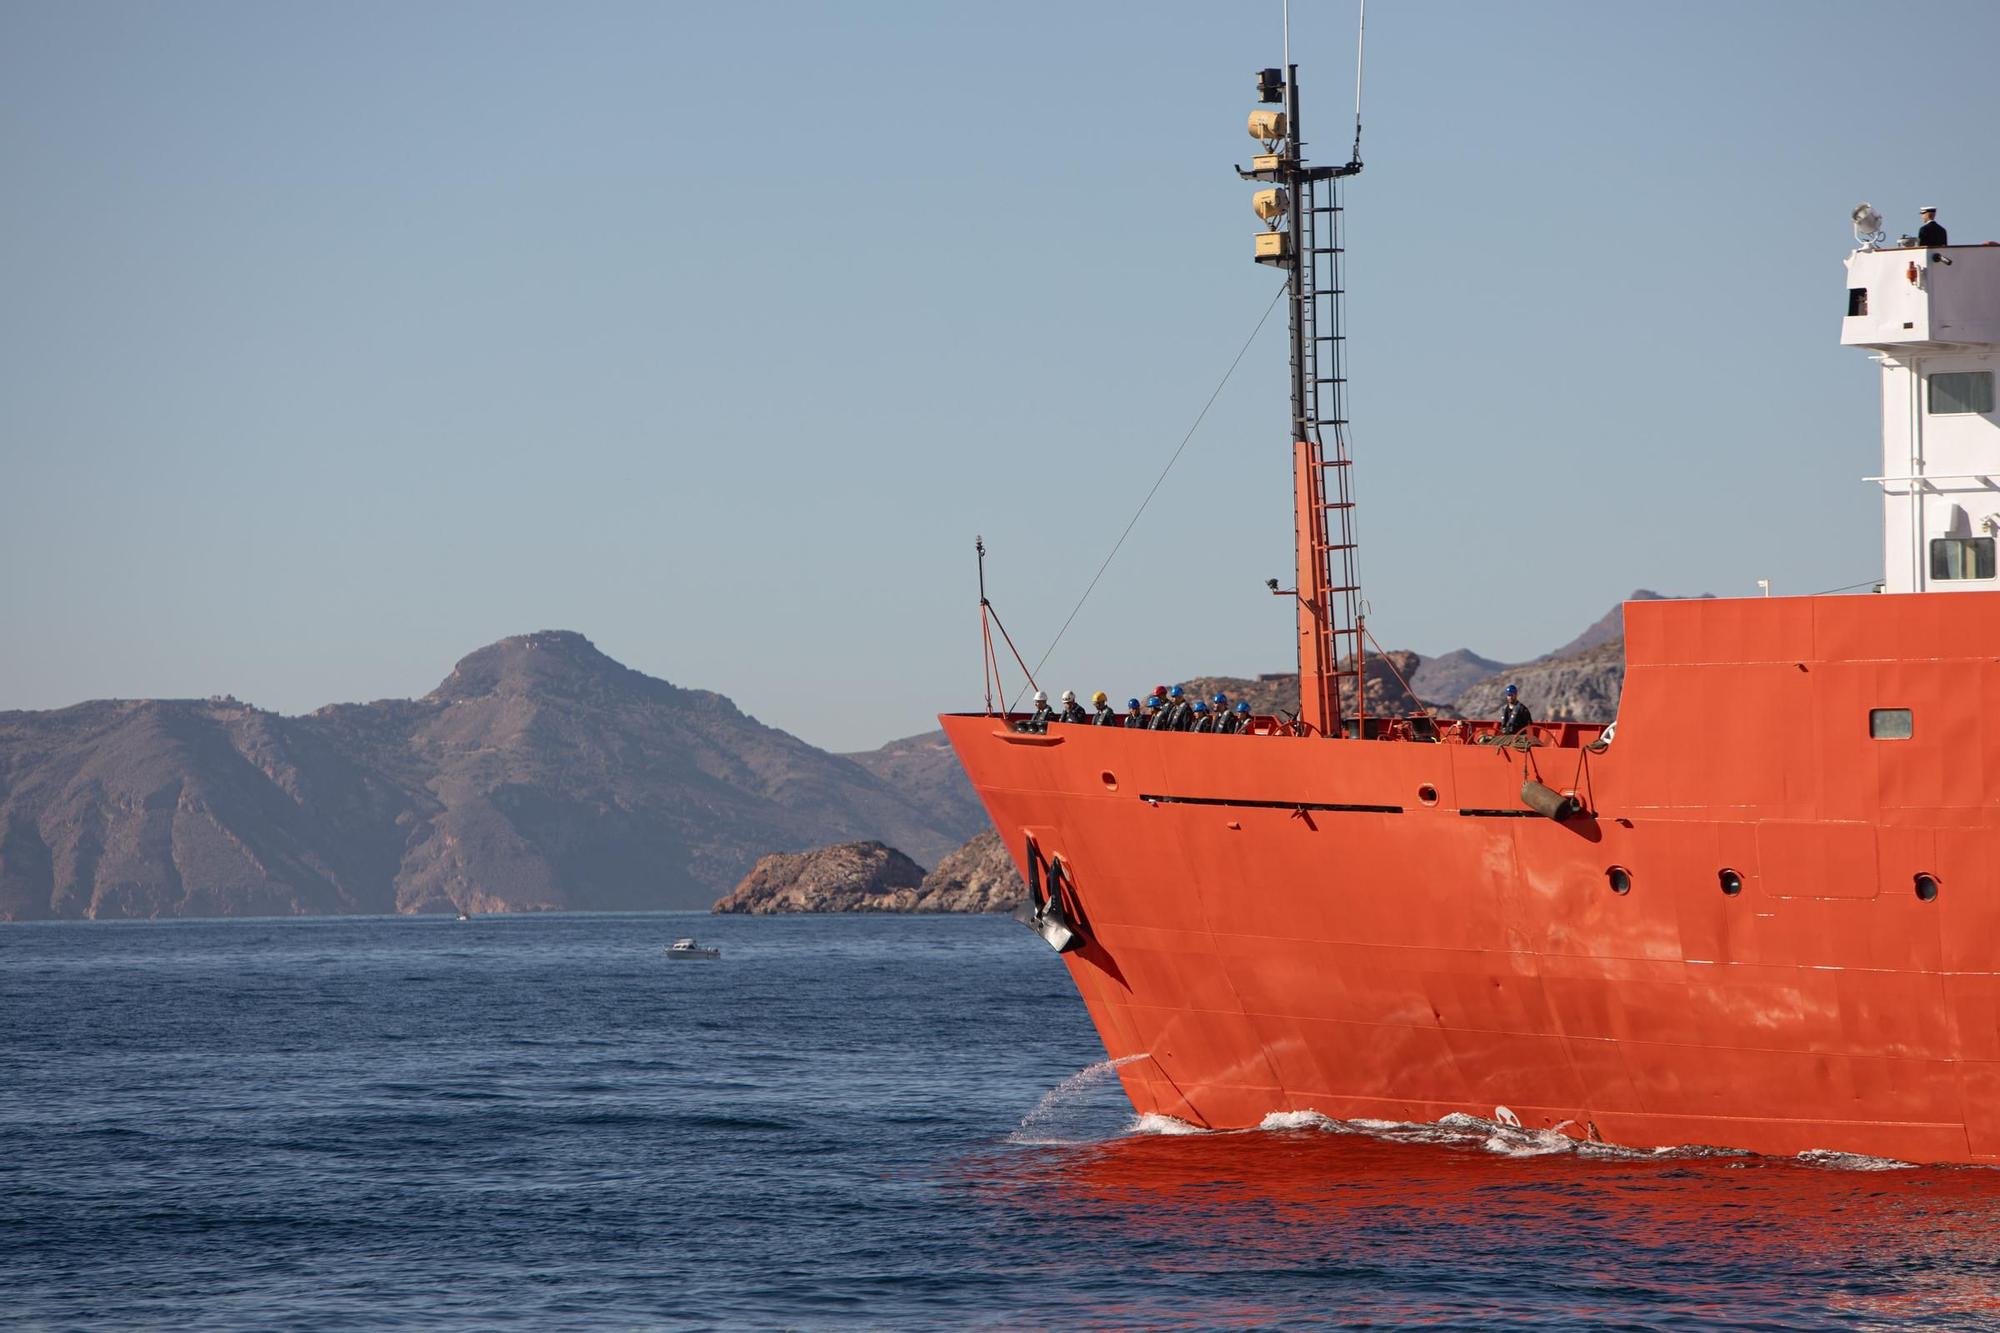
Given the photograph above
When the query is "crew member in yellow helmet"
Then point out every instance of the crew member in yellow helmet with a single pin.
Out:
(1103, 717)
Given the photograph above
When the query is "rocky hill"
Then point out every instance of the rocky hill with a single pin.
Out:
(869, 877)
(847, 877)
(1276, 692)
(540, 775)
(1579, 687)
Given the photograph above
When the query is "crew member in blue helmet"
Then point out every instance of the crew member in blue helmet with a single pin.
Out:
(1180, 713)
(1514, 717)
(1135, 717)
(1156, 719)
(1203, 719)
(1226, 721)
(1243, 719)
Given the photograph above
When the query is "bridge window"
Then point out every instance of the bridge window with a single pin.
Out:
(1961, 392)
(1857, 301)
(1961, 558)
(1889, 724)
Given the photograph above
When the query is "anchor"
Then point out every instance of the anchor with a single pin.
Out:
(1043, 912)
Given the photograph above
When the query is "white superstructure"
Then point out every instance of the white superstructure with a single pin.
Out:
(1933, 315)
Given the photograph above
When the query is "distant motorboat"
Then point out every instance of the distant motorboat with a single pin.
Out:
(687, 948)
(464, 915)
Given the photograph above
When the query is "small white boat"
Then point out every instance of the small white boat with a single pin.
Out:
(687, 948)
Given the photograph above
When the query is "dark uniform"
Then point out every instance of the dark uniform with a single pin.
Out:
(1227, 724)
(1514, 718)
(1103, 717)
(1135, 717)
(1180, 715)
(1931, 233)
(1161, 712)
(1073, 712)
(1203, 721)
(1041, 717)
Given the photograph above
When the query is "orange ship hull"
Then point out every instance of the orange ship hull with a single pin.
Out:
(1379, 929)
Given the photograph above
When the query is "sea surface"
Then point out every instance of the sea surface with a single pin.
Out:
(884, 1122)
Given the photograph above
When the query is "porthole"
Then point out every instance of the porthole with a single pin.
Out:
(1732, 883)
(1427, 794)
(1619, 878)
(1927, 888)
(1109, 779)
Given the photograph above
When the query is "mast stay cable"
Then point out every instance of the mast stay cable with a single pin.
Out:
(1157, 482)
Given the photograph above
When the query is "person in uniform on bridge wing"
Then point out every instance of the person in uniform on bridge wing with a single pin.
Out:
(1072, 711)
(1135, 716)
(1931, 233)
(1514, 717)
(1103, 717)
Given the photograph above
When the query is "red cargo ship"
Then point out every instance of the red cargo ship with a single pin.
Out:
(1777, 932)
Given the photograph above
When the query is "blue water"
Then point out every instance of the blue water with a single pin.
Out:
(540, 1122)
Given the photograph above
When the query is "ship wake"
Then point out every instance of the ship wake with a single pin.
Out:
(1506, 1137)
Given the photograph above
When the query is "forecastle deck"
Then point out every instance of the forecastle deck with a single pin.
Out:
(1380, 928)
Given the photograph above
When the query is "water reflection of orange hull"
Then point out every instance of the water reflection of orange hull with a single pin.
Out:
(1377, 929)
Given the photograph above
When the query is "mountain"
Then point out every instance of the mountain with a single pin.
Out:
(540, 774)
(1443, 679)
(927, 774)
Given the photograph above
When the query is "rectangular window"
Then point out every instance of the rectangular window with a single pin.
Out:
(1857, 301)
(1960, 392)
(1889, 724)
(1961, 557)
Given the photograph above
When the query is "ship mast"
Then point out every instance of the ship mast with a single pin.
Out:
(1302, 215)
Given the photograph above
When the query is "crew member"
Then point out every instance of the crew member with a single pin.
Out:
(1932, 232)
(1156, 716)
(1135, 717)
(1514, 717)
(1072, 711)
(1039, 719)
(1180, 714)
(1243, 719)
(1203, 719)
(1103, 717)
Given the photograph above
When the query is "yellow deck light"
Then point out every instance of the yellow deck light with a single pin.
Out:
(1270, 204)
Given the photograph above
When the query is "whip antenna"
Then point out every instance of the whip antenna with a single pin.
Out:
(1360, 37)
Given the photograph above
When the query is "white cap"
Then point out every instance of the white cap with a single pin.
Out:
(1069, 696)
(1041, 698)
(1928, 208)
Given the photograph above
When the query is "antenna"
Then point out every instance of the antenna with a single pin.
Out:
(1867, 225)
(1360, 38)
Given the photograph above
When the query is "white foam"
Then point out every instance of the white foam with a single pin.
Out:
(1154, 1123)
(1280, 1121)
(1852, 1161)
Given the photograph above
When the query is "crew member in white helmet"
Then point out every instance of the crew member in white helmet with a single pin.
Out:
(1072, 711)
(1042, 716)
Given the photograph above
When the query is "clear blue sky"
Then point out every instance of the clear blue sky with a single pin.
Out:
(338, 340)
